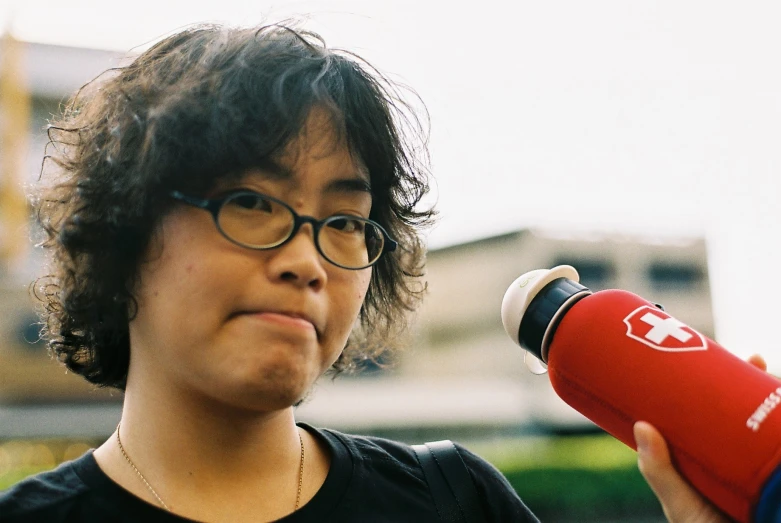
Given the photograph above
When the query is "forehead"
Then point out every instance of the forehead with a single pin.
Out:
(317, 158)
(317, 155)
(322, 138)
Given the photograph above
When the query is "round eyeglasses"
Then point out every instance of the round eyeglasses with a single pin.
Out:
(260, 222)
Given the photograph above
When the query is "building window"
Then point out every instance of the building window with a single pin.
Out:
(674, 276)
(594, 274)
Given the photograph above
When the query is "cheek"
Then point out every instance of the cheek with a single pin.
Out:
(348, 304)
(361, 292)
(362, 288)
(179, 285)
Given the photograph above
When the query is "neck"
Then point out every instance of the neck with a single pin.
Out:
(204, 459)
(203, 438)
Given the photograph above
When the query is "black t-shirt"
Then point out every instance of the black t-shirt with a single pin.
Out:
(370, 479)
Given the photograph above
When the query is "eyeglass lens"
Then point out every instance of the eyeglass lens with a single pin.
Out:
(256, 221)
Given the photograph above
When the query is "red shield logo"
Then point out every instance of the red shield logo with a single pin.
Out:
(660, 331)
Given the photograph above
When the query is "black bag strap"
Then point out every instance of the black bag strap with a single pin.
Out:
(452, 488)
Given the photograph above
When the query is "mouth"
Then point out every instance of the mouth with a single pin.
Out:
(283, 318)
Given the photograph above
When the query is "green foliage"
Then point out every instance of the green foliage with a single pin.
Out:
(584, 495)
(18, 474)
(574, 478)
(21, 458)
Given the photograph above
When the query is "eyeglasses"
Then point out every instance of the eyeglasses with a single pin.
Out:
(260, 222)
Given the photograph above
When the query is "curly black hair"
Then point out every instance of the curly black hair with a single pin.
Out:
(208, 102)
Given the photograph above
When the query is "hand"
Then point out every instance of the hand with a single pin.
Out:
(680, 502)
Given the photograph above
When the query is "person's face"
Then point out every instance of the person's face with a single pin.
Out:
(249, 328)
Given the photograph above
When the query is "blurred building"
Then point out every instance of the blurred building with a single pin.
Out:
(460, 326)
(35, 79)
(461, 371)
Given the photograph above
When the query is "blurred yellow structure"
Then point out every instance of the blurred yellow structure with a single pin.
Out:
(14, 122)
(34, 79)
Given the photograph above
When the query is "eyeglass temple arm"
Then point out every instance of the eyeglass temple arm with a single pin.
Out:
(212, 206)
(189, 199)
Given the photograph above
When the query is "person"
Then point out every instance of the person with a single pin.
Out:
(229, 216)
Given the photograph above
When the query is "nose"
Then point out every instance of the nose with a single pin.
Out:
(298, 261)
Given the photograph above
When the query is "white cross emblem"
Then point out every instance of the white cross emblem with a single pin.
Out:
(660, 331)
(663, 327)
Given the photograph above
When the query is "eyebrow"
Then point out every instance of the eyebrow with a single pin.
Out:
(349, 183)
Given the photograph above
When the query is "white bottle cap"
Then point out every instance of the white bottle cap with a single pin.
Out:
(523, 290)
(518, 299)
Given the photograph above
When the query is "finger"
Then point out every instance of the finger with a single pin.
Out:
(758, 361)
(679, 500)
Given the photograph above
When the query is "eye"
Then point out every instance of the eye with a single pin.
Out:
(250, 202)
(348, 225)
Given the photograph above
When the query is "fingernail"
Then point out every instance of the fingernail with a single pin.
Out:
(641, 438)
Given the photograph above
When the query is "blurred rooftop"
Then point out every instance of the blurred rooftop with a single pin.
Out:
(55, 71)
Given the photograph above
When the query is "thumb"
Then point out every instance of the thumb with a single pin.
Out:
(681, 503)
(758, 361)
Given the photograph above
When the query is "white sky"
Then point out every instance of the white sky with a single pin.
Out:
(648, 116)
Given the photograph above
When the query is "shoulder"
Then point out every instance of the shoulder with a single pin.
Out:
(372, 447)
(44, 493)
(498, 496)
(499, 500)
(384, 457)
(482, 471)
(398, 461)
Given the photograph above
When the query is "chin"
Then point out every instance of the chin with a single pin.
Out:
(266, 384)
(277, 394)
(252, 400)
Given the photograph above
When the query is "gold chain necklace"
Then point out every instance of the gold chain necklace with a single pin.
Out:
(162, 503)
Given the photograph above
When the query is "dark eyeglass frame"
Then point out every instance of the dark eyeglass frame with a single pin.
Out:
(215, 205)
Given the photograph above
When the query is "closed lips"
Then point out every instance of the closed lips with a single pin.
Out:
(287, 314)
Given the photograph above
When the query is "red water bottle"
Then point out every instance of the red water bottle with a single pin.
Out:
(617, 359)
